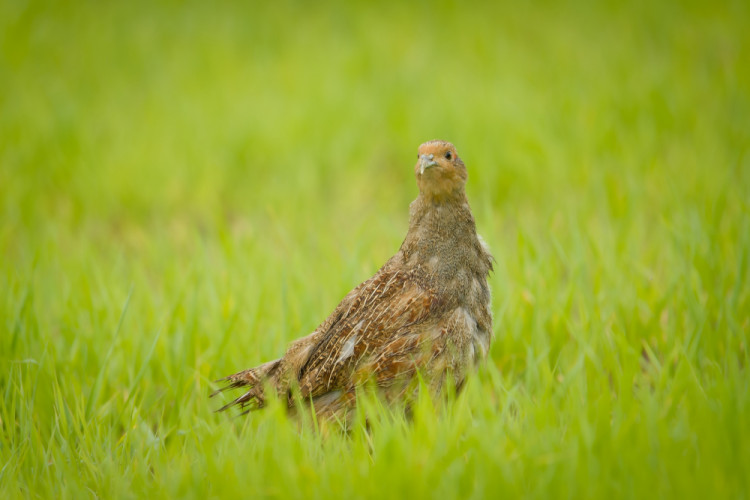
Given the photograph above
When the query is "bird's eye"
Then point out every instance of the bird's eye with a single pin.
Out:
(448, 155)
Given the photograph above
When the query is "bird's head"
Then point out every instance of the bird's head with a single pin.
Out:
(440, 172)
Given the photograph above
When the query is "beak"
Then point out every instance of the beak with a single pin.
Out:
(425, 162)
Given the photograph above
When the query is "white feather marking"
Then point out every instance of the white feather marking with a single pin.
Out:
(388, 283)
(481, 339)
(435, 333)
(484, 244)
(348, 349)
(470, 321)
(326, 399)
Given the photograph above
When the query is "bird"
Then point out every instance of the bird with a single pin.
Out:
(425, 314)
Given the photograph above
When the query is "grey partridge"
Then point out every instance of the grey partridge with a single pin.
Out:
(426, 311)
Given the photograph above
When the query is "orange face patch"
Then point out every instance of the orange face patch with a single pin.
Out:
(440, 172)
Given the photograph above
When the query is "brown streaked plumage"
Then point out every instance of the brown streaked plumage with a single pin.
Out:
(426, 310)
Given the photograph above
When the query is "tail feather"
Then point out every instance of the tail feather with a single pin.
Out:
(254, 379)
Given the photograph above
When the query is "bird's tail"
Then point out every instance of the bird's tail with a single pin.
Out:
(254, 380)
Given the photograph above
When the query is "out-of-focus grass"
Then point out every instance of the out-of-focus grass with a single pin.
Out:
(185, 188)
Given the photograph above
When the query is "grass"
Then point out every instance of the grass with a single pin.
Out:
(185, 188)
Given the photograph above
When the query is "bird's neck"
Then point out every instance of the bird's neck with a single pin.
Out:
(439, 229)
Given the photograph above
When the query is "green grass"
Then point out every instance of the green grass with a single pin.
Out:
(185, 188)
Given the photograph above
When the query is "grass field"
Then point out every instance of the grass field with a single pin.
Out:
(187, 187)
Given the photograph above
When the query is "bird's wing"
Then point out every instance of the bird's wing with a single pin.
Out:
(369, 318)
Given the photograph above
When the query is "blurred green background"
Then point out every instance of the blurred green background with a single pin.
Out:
(185, 187)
